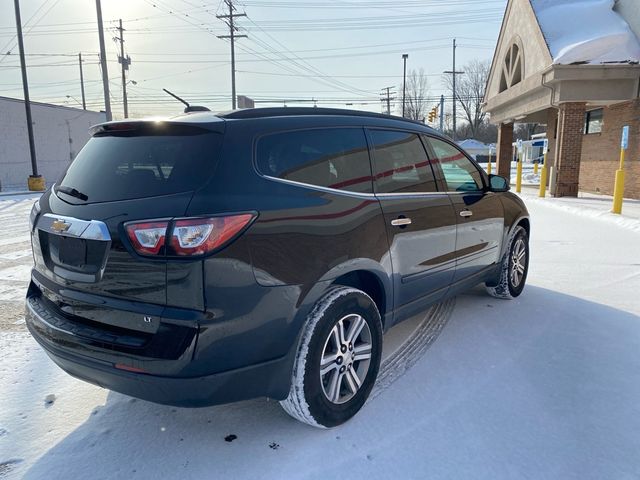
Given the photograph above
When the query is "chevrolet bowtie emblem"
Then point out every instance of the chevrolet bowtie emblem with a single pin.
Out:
(60, 226)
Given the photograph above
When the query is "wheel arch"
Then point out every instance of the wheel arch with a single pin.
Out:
(524, 223)
(371, 284)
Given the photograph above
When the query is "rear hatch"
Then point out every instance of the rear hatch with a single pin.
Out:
(127, 172)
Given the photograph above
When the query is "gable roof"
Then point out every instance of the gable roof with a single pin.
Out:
(586, 31)
(473, 144)
(518, 19)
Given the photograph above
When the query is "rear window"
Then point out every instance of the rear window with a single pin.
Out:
(335, 158)
(142, 163)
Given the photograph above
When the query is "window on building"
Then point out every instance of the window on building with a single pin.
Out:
(401, 164)
(459, 172)
(335, 158)
(593, 121)
(511, 68)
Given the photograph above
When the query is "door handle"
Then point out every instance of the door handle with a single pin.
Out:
(466, 213)
(401, 222)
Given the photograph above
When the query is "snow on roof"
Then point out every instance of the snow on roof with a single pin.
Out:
(586, 31)
(471, 143)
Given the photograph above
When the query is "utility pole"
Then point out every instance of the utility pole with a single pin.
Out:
(404, 81)
(441, 113)
(387, 98)
(103, 64)
(454, 73)
(27, 104)
(228, 19)
(84, 102)
(125, 62)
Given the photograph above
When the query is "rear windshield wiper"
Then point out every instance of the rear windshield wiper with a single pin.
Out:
(72, 192)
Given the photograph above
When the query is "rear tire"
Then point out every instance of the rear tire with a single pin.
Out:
(514, 267)
(338, 359)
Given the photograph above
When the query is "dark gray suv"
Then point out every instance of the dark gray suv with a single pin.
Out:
(211, 258)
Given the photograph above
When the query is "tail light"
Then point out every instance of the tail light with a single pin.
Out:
(186, 237)
(147, 238)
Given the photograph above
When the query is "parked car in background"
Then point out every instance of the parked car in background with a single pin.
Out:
(208, 258)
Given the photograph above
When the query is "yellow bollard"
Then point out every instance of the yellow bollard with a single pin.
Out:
(36, 183)
(543, 178)
(489, 164)
(519, 175)
(618, 190)
(535, 168)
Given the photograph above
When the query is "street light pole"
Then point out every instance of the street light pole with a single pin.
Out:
(35, 182)
(84, 101)
(103, 64)
(454, 90)
(404, 81)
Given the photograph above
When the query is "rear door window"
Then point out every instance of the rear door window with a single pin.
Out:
(334, 158)
(401, 164)
(142, 163)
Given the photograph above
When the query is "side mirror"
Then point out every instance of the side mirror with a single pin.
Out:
(498, 183)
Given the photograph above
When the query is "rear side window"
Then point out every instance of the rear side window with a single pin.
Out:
(335, 158)
(459, 172)
(401, 164)
(143, 163)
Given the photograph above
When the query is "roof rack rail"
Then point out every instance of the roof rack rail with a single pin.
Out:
(293, 111)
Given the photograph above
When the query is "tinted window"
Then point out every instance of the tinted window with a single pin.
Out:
(593, 121)
(401, 163)
(142, 164)
(459, 172)
(335, 158)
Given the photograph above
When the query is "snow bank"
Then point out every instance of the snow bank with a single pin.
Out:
(579, 207)
(586, 31)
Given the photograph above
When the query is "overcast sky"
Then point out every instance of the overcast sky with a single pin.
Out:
(336, 52)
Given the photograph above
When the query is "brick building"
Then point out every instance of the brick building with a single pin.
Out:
(571, 65)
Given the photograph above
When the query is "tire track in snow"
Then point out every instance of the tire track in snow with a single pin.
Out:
(414, 347)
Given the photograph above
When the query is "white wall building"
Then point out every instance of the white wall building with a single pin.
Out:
(59, 133)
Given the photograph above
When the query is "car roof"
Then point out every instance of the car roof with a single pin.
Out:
(215, 121)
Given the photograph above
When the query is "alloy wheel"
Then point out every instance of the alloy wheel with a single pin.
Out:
(346, 357)
(518, 262)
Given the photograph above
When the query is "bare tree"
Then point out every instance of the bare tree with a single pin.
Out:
(416, 96)
(470, 89)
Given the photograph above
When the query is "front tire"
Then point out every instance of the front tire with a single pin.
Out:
(514, 267)
(338, 359)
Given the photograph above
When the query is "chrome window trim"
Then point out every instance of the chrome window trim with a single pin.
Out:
(85, 229)
(350, 192)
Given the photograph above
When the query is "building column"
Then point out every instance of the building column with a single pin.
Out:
(504, 153)
(569, 148)
(552, 131)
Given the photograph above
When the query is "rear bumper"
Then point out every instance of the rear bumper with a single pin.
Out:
(76, 353)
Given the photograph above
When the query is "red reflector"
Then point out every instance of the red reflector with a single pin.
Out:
(121, 366)
(199, 236)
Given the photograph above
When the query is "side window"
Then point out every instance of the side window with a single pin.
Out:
(460, 174)
(335, 158)
(401, 163)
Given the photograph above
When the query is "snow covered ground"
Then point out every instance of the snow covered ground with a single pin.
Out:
(546, 386)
